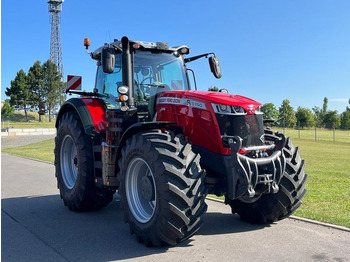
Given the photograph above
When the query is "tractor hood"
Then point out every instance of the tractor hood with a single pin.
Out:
(213, 97)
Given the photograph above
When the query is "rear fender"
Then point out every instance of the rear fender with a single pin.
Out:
(91, 111)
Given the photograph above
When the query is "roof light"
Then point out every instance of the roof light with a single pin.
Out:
(184, 50)
(136, 46)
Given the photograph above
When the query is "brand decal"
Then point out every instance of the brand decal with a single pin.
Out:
(181, 101)
(251, 109)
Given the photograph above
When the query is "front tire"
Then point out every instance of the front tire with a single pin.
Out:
(162, 188)
(273, 207)
(75, 167)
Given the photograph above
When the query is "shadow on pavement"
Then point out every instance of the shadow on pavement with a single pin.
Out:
(99, 236)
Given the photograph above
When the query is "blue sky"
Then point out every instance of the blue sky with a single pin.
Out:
(269, 50)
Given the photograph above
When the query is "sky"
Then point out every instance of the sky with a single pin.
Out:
(269, 50)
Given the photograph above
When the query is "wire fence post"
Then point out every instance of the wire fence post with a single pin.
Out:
(315, 133)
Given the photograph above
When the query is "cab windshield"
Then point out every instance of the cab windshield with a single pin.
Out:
(153, 73)
(160, 70)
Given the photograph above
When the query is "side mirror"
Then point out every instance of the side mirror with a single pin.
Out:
(108, 59)
(215, 66)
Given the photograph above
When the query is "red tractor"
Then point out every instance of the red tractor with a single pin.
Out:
(163, 146)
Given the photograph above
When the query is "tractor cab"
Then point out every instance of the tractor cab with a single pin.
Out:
(131, 73)
(152, 73)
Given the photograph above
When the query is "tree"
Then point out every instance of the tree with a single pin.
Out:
(53, 84)
(19, 92)
(269, 110)
(304, 117)
(7, 110)
(36, 85)
(331, 119)
(345, 120)
(325, 105)
(286, 115)
(317, 116)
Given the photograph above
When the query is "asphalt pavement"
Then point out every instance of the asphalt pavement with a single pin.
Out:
(36, 226)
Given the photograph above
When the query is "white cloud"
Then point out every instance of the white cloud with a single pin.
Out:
(341, 100)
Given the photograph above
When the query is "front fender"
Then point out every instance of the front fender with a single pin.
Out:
(142, 126)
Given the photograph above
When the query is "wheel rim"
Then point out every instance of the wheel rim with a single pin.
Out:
(140, 190)
(69, 162)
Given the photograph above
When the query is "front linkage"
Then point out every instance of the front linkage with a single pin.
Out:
(251, 177)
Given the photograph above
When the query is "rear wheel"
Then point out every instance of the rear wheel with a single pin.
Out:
(162, 188)
(75, 166)
(269, 208)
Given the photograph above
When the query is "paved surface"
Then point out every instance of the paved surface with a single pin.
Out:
(37, 227)
(12, 141)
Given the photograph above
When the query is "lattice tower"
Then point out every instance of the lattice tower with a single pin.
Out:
(55, 8)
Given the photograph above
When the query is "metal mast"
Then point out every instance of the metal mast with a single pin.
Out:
(55, 8)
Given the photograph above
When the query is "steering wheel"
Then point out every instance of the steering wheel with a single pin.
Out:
(148, 77)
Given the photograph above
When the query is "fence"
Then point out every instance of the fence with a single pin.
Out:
(317, 134)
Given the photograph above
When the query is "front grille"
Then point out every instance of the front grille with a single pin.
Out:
(249, 127)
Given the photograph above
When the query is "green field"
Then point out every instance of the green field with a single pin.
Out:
(327, 165)
(328, 186)
(42, 150)
(18, 121)
(322, 134)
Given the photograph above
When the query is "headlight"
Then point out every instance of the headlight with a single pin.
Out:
(238, 109)
(228, 110)
(122, 90)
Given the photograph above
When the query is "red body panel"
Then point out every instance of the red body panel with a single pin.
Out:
(97, 110)
(193, 112)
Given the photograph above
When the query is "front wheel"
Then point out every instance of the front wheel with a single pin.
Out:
(162, 188)
(269, 208)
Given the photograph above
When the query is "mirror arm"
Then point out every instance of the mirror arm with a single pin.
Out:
(193, 58)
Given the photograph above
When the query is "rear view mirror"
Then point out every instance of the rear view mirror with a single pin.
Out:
(215, 66)
(108, 59)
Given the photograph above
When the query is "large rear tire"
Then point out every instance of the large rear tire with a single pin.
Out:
(75, 167)
(162, 188)
(273, 207)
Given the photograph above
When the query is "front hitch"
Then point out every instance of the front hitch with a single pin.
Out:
(248, 176)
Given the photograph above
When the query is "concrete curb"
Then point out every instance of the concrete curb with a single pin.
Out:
(306, 220)
(28, 131)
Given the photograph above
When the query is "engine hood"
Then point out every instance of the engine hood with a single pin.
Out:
(213, 97)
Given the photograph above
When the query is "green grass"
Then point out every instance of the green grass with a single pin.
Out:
(327, 164)
(42, 150)
(18, 121)
(328, 186)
